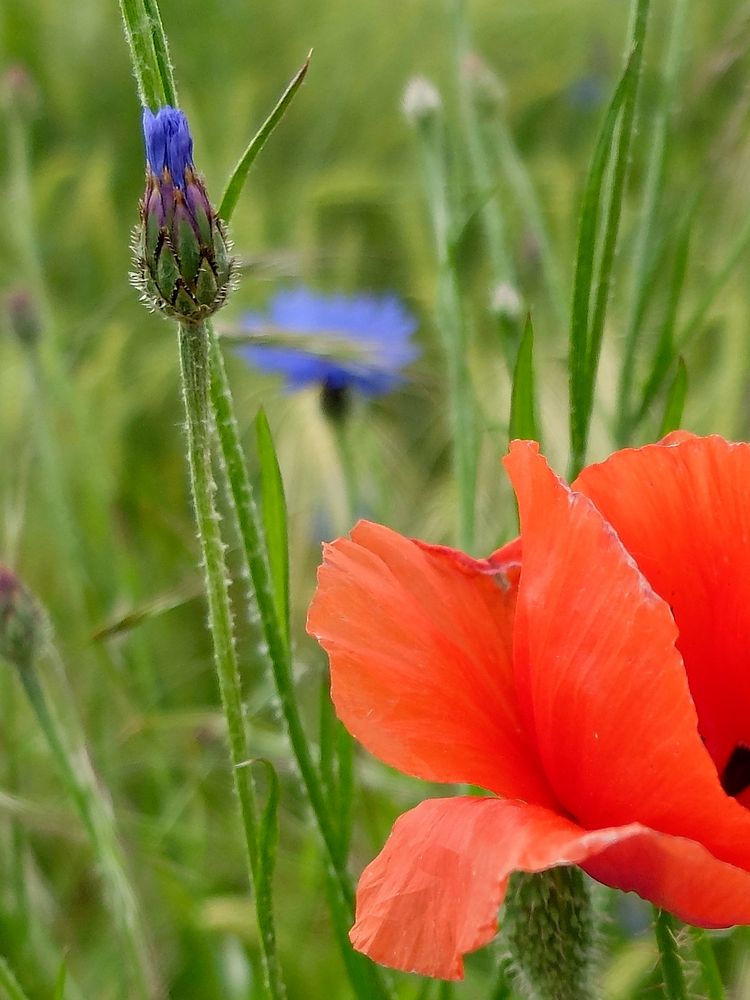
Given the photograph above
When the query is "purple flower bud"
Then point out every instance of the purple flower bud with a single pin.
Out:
(20, 621)
(181, 248)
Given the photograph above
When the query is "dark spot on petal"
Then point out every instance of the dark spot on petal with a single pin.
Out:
(735, 777)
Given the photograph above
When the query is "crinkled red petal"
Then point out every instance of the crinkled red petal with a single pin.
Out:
(419, 640)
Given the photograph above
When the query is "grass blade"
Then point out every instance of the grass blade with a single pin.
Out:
(675, 400)
(612, 153)
(523, 422)
(9, 985)
(239, 174)
(665, 352)
(273, 505)
(645, 235)
(584, 273)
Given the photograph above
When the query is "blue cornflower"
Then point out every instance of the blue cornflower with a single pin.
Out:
(181, 248)
(360, 342)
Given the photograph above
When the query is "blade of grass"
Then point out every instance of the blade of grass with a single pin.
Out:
(675, 400)
(653, 188)
(665, 352)
(239, 174)
(451, 320)
(614, 209)
(274, 519)
(736, 253)
(9, 984)
(523, 422)
(584, 272)
(710, 975)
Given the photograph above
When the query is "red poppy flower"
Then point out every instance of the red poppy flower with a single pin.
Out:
(597, 684)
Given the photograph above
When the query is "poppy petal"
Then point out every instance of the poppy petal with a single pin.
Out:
(600, 682)
(689, 532)
(419, 640)
(678, 875)
(432, 894)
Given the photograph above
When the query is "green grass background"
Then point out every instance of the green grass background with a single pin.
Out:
(94, 507)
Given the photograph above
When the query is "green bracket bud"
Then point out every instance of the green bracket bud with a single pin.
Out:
(548, 928)
(182, 253)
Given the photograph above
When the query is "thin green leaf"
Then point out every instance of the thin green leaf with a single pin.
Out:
(675, 400)
(269, 819)
(10, 988)
(712, 987)
(239, 174)
(274, 518)
(62, 977)
(523, 422)
(345, 762)
(642, 257)
(665, 353)
(131, 619)
(584, 273)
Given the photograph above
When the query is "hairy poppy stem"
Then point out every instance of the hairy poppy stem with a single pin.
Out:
(549, 931)
(672, 972)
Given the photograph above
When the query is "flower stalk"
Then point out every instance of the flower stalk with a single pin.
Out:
(22, 640)
(366, 978)
(672, 972)
(195, 374)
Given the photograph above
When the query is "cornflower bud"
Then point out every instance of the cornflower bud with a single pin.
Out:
(181, 249)
(23, 316)
(20, 621)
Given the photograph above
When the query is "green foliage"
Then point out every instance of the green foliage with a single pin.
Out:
(95, 513)
(523, 422)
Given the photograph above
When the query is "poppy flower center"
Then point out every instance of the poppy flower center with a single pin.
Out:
(735, 777)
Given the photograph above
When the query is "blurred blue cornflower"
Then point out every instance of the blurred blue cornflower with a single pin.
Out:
(338, 342)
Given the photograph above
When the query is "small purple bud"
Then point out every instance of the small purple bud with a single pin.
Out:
(23, 316)
(181, 248)
(20, 621)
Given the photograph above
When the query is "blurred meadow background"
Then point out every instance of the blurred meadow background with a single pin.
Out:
(95, 513)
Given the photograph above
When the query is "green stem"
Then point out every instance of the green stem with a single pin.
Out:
(9, 983)
(452, 325)
(485, 183)
(96, 815)
(614, 209)
(245, 510)
(672, 972)
(194, 366)
(148, 53)
(710, 976)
